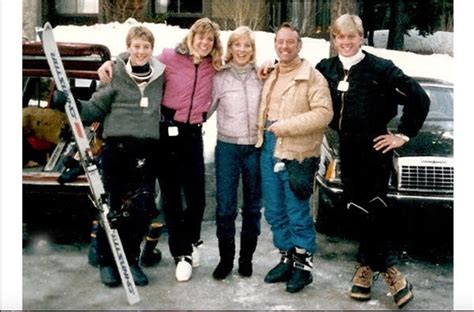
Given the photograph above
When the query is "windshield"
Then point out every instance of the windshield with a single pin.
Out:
(441, 103)
(441, 106)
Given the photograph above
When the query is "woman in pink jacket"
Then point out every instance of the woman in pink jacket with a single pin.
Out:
(189, 71)
(190, 68)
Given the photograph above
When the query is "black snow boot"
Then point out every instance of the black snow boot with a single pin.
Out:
(150, 254)
(248, 244)
(92, 250)
(139, 277)
(301, 274)
(282, 271)
(109, 276)
(226, 263)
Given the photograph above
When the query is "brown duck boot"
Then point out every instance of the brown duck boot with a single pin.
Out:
(362, 282)
(398, 285)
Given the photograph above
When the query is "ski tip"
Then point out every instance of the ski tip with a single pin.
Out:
(40, 31)
(133, 299)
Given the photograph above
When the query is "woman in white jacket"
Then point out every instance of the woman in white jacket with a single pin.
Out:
(236, 99)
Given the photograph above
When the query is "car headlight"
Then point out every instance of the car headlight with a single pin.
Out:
(333, 171)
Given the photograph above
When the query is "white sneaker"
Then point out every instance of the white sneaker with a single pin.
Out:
(196, 255)
(184, 269)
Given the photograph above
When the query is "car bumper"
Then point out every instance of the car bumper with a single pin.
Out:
(334, 195)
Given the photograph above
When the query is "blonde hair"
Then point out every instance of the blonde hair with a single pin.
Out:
(347, 23)
(203, 26)
(140, 32)
(239, 33)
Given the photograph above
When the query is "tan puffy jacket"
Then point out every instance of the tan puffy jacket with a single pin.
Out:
(304, 113)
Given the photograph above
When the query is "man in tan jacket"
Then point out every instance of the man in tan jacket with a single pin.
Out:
(296, 108)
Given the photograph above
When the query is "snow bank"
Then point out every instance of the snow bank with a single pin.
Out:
(438, 65)
(113, 35)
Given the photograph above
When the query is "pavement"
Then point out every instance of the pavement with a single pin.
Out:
(57, 276)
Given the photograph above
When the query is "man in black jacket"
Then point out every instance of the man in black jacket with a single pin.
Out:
(363, 90)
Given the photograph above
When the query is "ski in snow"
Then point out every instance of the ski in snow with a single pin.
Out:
(99, 196)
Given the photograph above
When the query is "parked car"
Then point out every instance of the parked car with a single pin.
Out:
(46, 154)
(422, 177)
(81, 61)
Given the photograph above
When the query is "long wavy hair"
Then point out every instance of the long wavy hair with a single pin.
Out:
(203, 26)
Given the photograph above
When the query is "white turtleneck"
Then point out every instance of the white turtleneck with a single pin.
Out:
(141, 81)
(349, 61)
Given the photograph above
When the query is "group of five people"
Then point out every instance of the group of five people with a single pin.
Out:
(270, 125)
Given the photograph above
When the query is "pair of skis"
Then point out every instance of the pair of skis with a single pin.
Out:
(87, 161)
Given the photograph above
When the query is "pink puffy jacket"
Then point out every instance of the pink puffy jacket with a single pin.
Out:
(187, 86)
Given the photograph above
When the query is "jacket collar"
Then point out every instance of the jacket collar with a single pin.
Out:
(303, 72)
(158, 67)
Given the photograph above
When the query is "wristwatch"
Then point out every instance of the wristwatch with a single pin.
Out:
(404, 137)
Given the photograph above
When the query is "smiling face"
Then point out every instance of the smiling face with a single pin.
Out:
(140, 51)
(348, 43)
(348, 34)
(241, 51)
(287, 45)
(203, 43)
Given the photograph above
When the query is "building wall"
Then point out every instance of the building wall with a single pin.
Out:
(31, 18)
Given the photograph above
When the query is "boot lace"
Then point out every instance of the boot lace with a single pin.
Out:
(390, 276)
(362, 272)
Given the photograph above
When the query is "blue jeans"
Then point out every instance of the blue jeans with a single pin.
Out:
(288, 216)
(232, 160)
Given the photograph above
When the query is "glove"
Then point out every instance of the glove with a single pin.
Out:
(58, 100)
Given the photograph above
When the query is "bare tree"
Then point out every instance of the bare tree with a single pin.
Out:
(302, 14)
(121, 10)
(338, 8)
(231, 14)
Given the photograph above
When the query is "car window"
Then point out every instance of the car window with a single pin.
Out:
(441, 103)
(37, 91)
(441, 106)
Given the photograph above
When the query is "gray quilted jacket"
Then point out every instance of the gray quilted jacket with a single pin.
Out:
(236, 99)
(121, 106)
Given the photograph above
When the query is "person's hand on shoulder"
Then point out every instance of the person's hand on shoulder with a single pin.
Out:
(105, 72)
(265, 69)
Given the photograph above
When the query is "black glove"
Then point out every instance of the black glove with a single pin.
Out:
(58, 100)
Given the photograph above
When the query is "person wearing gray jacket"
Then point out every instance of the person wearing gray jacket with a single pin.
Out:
(235, 98)
(129, 110)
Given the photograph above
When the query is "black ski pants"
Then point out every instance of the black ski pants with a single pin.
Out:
(182, 182)
(129, 176)
(365, 173)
